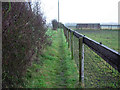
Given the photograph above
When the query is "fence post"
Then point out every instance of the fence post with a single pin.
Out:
(81, 62)
(68, 38)
(83, 65)
(66, 35)
(64, 32)
(71, 44)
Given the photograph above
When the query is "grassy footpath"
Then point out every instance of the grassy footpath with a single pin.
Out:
(56, 70)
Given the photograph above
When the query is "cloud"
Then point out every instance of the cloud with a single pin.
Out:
(82, 10)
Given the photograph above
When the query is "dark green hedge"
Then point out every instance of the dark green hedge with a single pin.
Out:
(23, 34)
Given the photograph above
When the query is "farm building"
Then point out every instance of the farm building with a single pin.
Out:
(88, 26)
(110, 27)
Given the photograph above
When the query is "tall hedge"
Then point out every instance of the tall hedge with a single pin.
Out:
(23, 34)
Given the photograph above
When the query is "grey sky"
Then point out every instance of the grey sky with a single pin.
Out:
(82, 11)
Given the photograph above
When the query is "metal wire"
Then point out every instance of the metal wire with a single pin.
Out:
(76, 50)
(97, 72)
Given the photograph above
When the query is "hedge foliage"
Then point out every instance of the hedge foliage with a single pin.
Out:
(23, 35)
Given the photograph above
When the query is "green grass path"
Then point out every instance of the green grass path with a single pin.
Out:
(56, 69)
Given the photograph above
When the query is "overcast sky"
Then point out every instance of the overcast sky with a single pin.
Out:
(81, 11)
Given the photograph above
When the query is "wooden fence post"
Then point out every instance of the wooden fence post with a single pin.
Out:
(81, 62)
(83, 65)
(72, 44)
(64, 31)
(68, 38)
(66, 34)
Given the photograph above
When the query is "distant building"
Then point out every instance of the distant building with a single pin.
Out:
(88, 26)
(110, 27)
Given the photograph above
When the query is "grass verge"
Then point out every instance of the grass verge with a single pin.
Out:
(55, 69)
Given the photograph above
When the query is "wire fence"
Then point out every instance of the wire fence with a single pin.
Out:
(97, 72)
(76, 50)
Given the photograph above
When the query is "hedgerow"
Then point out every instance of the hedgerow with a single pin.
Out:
(23, 35)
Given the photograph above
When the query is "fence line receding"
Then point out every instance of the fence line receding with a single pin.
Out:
(98, 65)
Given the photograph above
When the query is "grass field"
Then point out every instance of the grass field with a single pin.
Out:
(107, 37)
